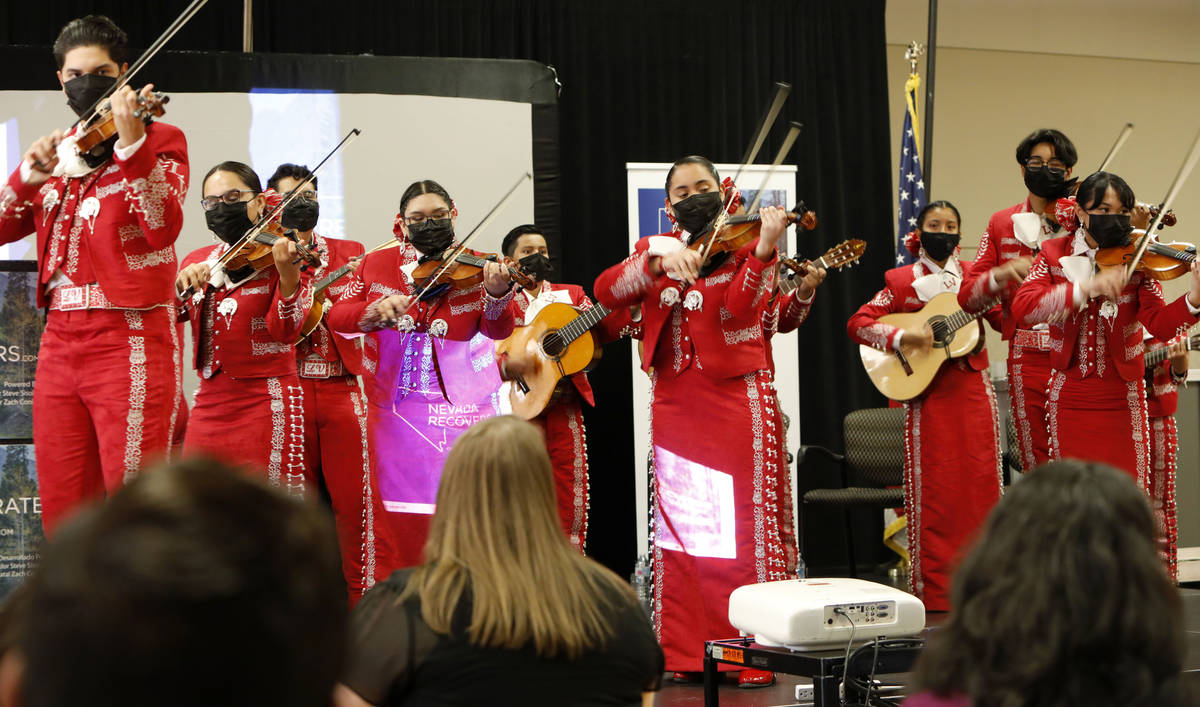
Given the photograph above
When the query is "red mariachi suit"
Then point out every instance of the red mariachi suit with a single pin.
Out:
(562, 420)
(249, 409)
(719, 505)
(1162, 399)
(108, 395)
(952, 474)
(1096, 402)
(459, 316)
(1028, 349)
(335, 427)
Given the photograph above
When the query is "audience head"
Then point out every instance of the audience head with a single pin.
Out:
(194, 585)
(496, 537)
(1063, 600)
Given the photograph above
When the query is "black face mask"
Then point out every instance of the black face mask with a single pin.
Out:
(696, 211)
(937, 245)
(1047, 183)
(228, 221)
(1109, 230)
(432, 236)
(84, 90)
(537, 266)
(301, 214)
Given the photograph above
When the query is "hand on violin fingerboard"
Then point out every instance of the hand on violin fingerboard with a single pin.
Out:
(287, 260)
(496, 279)
(1140, 216)
(124, 104)
(1194, 293)
(774, 222)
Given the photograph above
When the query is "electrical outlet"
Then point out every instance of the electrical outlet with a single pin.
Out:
(805, 694)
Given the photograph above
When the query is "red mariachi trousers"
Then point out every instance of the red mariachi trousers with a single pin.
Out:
(952, 475)
(721, 518)
(256, 423)
(1028, 375)
(336, 452)
(106, 401)
(562, 423)
(1163, 447)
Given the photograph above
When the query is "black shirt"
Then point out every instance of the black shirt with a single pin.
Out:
(396, 659)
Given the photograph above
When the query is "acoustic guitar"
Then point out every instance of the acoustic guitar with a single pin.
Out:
(905, 374)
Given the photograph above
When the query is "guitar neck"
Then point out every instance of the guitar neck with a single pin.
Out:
(1159, 354)
(331, 278)
(960, 319)
(585, 321)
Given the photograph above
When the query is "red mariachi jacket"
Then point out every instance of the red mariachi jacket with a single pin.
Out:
(899, 295)
(1083, 341)
(998, 245)
(717, 324)
(612, 327)
(458, 315)
(323, 344)
(248, 331)
(128, 213)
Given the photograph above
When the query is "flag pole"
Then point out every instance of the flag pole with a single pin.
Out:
(930, 55)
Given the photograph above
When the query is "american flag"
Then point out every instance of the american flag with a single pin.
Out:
(911, 186)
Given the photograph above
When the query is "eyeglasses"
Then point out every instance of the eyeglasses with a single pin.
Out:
(1054, 165)
(422, 218)
(309, 194)
(232, 196)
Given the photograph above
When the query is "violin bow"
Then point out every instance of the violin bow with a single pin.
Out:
(770, 115)
(1112, 152)
(287, 199)
(188, 13)
(1189, 163)
(462, 246)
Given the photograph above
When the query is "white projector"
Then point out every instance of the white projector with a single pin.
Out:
(816, 614)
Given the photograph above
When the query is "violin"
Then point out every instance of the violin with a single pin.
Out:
(256, 253)
(1161, 261)
(740, 230)
(96, 138)
(1168, 218)
(464, 273)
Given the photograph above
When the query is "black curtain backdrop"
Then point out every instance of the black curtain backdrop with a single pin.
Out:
(641, 82)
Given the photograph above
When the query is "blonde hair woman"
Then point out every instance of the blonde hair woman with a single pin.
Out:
(502, 607)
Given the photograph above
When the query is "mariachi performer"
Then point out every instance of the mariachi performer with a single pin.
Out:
(429, 375)
(335, 411)
(1096, 400)
(562, 420)
(1013, 236)
(108, 393)
(720, 512)
(952, 473)
(249, 409)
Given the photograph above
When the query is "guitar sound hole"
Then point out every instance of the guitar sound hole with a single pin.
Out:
(553, 345)
(942, 336)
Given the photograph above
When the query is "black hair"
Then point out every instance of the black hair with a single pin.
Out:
(692, 159)
(190, 570)
(1063, 600)
(293, 171)
(509, 245)
(1093, 189)
(243, 172)
(1064, 149)
(940, 204)
(425, 186)
(92, 31)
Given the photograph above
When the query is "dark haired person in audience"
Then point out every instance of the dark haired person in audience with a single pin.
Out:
(108, 396)
(249, 409)
(335, 411)
(562, 420)
(1062, 601)
(1096, 393)
(951, 431)
(194, 586)
(1014, 235)
(721, 508)
(503, 610)
(424, 362)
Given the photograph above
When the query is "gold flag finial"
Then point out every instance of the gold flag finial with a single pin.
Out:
(914, 52)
